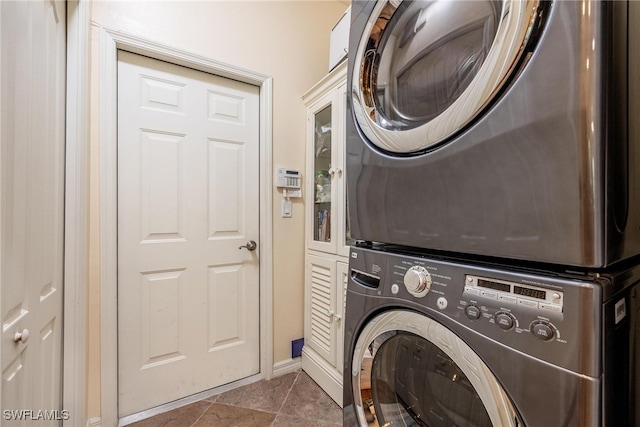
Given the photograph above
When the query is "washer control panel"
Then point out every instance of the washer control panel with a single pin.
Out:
(514, 294)
(520, 307)
(544, 315)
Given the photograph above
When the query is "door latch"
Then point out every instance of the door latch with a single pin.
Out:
(250, 246)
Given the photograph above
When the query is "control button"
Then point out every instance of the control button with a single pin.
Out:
(542, 331)
(488, 294)
(555, 296)
(504, 320)
(470, 279)
(395, 289)
(507, 299)
(472, 291)
(552, 307)
(527, 302)
(417, 280)
(472, 312)
(442, 303)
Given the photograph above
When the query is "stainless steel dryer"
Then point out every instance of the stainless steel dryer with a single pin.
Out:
(500, 128)
(434, 342)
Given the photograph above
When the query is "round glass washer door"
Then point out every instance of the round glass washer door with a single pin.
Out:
(425, 69)
(408, 370)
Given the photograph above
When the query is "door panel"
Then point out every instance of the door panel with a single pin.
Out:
(342, 271)
(32, 164)
(188, 297)
(321, 334)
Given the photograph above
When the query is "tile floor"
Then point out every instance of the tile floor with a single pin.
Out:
(290, 400)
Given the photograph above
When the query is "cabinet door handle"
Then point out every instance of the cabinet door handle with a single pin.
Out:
(22, 337)
(339, 171)
(337, 318)
(330, 314)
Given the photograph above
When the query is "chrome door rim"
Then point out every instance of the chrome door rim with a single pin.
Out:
(495, 400)
(518, 19)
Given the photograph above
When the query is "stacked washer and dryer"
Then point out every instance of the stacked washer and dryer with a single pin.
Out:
(493, 167)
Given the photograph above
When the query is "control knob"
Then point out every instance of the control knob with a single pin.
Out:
(417, 280)
(504, 320)
(473, 312)
(542, 330)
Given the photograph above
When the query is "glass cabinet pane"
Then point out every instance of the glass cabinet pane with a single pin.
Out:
(322, 177)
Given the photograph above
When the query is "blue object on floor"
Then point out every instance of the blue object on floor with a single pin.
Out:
(296, 347)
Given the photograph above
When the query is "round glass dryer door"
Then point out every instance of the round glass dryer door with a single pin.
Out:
(409, 370)
(425, 69)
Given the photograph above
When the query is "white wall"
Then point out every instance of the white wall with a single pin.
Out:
(287, 40)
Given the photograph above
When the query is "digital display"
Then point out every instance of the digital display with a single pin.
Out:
(493, 285)
(527, 292)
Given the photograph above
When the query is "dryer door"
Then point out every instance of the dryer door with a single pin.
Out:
(425, 69)
(409, 370)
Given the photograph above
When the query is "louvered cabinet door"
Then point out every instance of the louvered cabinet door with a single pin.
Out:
(342, 271)
(320, 330)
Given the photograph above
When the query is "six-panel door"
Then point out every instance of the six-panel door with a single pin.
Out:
(188, 199)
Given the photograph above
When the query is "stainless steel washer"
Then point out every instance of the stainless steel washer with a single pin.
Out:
(487, 345)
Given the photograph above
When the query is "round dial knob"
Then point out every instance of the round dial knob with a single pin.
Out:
(417, 280)
(473, 312)
(542, 330)
(504, 320)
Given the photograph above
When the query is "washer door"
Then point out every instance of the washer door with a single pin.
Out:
(409, 370)
(425, 69)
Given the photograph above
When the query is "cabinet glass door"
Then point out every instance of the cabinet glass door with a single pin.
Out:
(322, 174)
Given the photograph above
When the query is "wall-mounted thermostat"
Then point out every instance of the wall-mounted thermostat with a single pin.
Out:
(288, 178)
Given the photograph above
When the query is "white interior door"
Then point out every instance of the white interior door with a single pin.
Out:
(32, 45)
(188, 198)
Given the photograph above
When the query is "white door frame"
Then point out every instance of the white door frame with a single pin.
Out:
(110, 42)
(76, 217)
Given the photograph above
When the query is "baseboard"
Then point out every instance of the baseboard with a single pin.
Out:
(94, 422)
(325, 375)
(287, 366)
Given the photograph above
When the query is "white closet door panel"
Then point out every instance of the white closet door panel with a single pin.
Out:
(188, 297)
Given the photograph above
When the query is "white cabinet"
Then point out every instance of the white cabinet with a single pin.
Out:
(327, 225)
(339, 43)
(327, 232)
(322, 355)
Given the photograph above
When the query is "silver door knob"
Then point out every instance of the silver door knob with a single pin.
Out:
(250, 246)
(22, 337)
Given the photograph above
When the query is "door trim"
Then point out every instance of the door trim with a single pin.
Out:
(110, 42)
(76, 217)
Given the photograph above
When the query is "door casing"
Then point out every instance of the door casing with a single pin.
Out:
(110, 42)
(76, 238)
